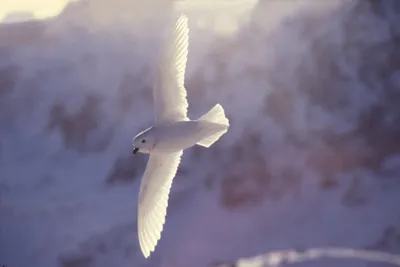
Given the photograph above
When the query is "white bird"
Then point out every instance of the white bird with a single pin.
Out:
(171, 133)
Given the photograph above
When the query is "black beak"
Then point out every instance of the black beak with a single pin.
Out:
(135, 150)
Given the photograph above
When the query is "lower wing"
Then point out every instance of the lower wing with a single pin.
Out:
(153, 198)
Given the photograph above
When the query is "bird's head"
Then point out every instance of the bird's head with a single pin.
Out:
(143, 142)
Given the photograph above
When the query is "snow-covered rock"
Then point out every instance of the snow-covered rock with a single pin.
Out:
(310, 161)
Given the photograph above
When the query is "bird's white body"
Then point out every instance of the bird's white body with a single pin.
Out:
(181, 135)
(171, 133)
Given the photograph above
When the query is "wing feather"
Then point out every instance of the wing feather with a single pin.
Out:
(169, 92)
(153, 198)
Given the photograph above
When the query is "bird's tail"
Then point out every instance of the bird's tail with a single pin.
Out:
(215, 115)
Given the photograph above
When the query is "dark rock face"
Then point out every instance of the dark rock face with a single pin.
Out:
(75, 261)
(8, 79)
(21, 34)
(75, 129)
(126, 169)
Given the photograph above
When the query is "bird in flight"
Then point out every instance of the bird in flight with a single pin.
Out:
(171, 133)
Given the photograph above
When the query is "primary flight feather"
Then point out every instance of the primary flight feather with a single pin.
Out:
(171, 133)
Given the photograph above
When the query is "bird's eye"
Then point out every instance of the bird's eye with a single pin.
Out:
(143, 141)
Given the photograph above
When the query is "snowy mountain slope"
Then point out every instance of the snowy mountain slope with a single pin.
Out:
(310, 161)
(295, 258)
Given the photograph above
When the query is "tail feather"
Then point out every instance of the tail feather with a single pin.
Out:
(215, 115)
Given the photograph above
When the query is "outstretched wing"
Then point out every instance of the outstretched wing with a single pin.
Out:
(153, 198)
(169, 92)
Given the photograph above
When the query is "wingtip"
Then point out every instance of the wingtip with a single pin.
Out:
(145, 251)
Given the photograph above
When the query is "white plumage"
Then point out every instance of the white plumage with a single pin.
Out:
(169, 92)
(153, 198)
(171, 133)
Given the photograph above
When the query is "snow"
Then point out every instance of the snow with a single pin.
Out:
(308, 170)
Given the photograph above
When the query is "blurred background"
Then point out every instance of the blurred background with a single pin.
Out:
(311, 160)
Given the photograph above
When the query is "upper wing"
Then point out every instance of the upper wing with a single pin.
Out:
(169, 92)
(153, 198)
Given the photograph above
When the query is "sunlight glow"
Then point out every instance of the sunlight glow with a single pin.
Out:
(38, 8)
